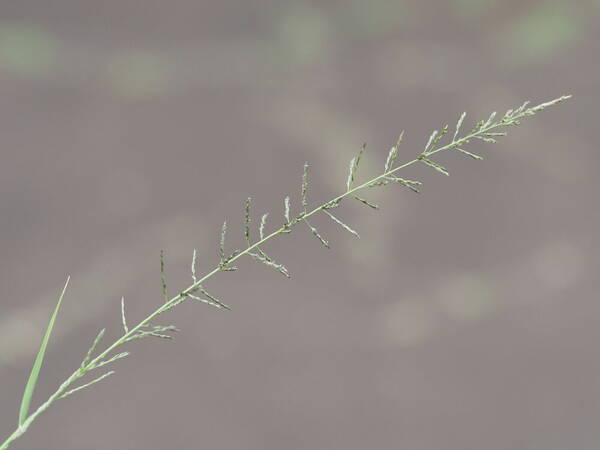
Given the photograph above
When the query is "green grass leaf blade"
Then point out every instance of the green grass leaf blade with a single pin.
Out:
(39, 359)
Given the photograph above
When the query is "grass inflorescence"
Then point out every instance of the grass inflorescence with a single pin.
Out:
(487, 131)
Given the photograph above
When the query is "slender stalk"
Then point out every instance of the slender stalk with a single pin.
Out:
(481, 131)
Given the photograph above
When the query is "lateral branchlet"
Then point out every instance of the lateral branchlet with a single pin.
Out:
(163, 277)
(91, 350)
(354, 163)
(263, 258)
(316, 234)
(364, 201)
(263, 223)
(305, 188)
(342, 224)
(123, 318)
(193, 267)
(393, 154)
(441, 169)
(209, 299)
(247, 220)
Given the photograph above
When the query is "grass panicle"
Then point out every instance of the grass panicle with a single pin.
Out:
(484, 131)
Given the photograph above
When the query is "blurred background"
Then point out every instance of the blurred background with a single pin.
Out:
(466, 317)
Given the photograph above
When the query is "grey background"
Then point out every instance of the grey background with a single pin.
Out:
(464, 318)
